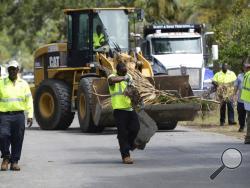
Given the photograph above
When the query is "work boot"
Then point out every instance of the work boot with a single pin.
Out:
(14, 167)
(127, 160)
(222, 123)
(232, 123)
(5, 164)
(241, 130)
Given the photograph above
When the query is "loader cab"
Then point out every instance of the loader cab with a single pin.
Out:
(83, 24)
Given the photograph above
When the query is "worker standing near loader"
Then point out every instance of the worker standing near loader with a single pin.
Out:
(15, 98)
(240, 104)
(222, 80)
(245, 96)
(125, 117)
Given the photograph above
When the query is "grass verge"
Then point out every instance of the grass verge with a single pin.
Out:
(210, 122)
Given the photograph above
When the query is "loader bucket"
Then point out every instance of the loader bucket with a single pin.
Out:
(101, 111)
(161, 113)
(179, 85)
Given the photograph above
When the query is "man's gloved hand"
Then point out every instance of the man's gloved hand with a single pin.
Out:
(29, 122)
(127, 78)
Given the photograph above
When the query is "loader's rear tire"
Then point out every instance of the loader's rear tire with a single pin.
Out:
(84, 105)
(52, 105)
(170, 125)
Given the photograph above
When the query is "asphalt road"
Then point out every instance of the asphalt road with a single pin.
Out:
(180, 158)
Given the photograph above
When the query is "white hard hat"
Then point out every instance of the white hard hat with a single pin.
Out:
(13, 63)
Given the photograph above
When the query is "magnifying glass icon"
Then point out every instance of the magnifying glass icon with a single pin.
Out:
(231, 158)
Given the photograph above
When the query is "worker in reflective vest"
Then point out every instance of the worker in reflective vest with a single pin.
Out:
(225, 76)
(125, 117)
(245, 96)
(15, 98)
(98, 37)
(240, 104)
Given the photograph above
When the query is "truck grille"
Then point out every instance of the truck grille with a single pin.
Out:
(194, 76)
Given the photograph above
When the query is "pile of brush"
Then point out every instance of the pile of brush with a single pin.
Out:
(225, 92)
(142, 91)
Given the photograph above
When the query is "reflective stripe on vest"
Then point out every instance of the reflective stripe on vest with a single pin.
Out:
(119, 91)
(248, 89)
(15, 96)
(12, 100)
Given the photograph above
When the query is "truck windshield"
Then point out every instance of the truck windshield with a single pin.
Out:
(176, 46)
(115, 26)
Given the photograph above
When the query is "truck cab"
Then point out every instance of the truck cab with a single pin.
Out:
(178, 50)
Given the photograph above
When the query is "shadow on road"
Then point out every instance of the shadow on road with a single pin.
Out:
(33, 128)
(106, 131)
(91, 161)
(172, 131)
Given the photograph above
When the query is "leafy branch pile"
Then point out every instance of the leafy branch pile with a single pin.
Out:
(147, 91)
(225, 92)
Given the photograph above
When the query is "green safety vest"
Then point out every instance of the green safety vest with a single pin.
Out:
(245, 93)
(15, 97)
(97, 40)
(118, 99)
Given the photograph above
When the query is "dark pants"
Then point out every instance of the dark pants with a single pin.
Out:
(230, 111)
(241, 114)
(12, 128)
(127, 126)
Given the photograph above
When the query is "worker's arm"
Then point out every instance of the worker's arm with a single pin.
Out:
(116, 79)
(215, 82)
(236, 86)
(29, 105)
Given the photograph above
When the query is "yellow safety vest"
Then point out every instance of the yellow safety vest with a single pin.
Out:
(245, 93)
(15, 97)
(224, 78)
(118, 99)
(98, 39)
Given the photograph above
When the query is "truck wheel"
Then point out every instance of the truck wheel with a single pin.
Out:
(52, 105)
(84, 105)
(170, 125)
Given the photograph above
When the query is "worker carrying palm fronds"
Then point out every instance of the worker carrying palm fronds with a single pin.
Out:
(224, 82)
(126, 118)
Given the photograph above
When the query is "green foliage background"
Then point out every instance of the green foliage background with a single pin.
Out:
(27, 24)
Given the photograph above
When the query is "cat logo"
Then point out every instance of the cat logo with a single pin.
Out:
(54, 61)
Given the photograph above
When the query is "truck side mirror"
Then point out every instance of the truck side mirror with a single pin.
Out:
(215, 52)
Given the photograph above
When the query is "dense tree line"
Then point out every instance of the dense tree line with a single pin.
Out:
(28, 24)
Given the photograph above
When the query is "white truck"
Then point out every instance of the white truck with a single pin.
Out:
(180, 50)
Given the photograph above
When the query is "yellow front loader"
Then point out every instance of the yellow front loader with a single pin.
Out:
(68, 76)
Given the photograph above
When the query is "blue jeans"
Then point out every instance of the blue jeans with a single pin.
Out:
(230, 111)
(12, 128)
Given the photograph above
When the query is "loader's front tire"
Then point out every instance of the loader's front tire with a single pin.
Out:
(52, 105)
(84, 105)
(170, 125)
